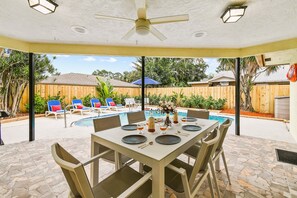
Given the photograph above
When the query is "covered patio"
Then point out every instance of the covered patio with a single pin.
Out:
(265, 31)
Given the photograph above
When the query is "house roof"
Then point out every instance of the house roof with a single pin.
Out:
(228, 76)
(83, 79)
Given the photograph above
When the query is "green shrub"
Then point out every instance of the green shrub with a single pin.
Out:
(40, 104)
(86, 100)
(120, 98)
(58, 97)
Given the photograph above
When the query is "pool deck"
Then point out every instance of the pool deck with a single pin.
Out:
(49, 128)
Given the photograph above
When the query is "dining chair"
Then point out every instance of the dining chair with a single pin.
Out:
(194, 150)
(134, 117)
(186, 179)
(203, 114)
(105, 123)
(198, 114)
(125, 182)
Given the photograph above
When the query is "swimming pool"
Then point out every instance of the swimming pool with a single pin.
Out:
(88, 122)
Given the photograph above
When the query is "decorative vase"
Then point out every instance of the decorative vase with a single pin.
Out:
(167, 120)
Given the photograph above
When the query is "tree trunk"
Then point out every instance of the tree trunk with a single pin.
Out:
(248, 100)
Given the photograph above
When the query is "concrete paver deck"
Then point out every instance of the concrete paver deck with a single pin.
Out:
(28, 170)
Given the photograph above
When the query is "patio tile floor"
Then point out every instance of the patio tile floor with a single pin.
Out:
(28, 170)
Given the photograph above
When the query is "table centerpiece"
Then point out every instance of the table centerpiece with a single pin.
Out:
(167, 107)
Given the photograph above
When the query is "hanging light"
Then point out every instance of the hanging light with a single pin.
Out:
(43, 6)
(233, 14)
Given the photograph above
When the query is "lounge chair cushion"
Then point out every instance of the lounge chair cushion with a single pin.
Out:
(56, 107)
(112, 104)
(97, 104)
(79, 106)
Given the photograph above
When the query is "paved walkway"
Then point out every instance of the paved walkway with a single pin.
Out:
(28, 170)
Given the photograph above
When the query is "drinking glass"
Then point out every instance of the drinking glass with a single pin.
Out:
(163, 128)
(140, 128)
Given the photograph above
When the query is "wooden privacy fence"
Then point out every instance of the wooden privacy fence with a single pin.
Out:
(262, 95)
(71, 91)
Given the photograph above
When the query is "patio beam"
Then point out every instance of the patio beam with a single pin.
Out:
(237, 96)
(142, 81)
(31, 97)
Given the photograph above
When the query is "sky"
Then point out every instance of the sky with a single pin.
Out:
(88, 64)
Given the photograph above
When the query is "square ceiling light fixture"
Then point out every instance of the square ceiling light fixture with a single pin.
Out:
(43, 6)
(233, 14)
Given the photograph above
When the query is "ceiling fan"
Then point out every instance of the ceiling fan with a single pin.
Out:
(143, 25)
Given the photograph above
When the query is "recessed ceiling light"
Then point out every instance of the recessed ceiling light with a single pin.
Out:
(199, 34)
(79, 29)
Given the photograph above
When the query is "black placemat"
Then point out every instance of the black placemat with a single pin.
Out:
(129, 127)
(191, 127)
(168, 139)
(286, 156)
(189, 119)
(134, 139)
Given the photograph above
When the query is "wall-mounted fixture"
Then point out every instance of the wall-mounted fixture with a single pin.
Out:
(43, 6)
(233, 14)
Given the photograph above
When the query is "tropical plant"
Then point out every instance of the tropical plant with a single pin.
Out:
(14, 73)
(104, 90)
(177, 98)
(249, 71)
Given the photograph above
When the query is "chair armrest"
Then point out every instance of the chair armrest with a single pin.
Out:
(180, 171)
(136, 185)
(96, 157)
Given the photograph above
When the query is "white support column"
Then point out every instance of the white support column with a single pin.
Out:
(293, 107)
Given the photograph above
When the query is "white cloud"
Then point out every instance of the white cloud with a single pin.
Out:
(89, 59)
(110, 60)
(63, 56)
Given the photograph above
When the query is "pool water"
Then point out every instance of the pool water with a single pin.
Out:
(88, 122)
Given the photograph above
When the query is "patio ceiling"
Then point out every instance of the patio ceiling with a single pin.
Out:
(266, 27)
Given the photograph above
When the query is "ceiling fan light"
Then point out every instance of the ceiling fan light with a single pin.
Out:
(43, 6)
(142, 27)
(233, 14)
(142, 30)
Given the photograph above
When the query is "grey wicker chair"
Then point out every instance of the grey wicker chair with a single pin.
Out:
(126, 182)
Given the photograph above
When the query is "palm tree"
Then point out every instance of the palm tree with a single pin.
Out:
(249, 71)
(104, 90)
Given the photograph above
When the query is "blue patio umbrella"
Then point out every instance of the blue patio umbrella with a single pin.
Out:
(147, 81)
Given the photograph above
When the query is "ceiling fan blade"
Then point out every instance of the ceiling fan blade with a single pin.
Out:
(129, 33)
(170, 19)
(98, 16)
(157, 33)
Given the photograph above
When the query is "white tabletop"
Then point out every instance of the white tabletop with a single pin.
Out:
(156, 151)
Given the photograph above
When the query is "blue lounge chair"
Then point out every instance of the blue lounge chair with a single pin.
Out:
(112, 105)
(54, 107)
(79, 107)
(95, 101)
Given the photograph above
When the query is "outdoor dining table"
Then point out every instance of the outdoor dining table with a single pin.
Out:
(157, 156)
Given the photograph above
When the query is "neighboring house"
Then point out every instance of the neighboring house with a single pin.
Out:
(226, 78)
(83, 80)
